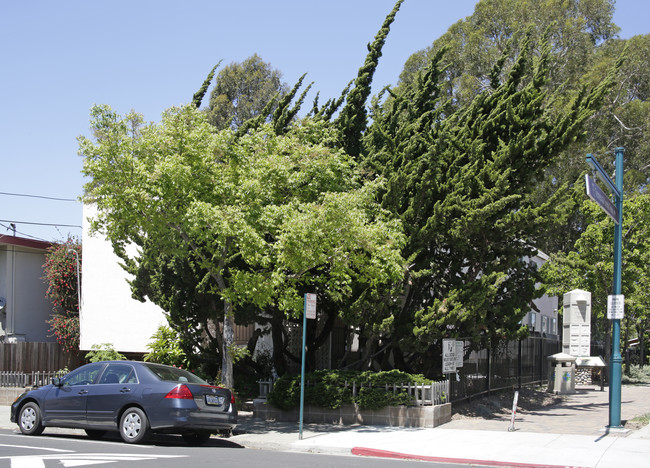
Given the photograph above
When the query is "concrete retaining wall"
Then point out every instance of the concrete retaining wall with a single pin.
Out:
(9, 394)
(400, 416)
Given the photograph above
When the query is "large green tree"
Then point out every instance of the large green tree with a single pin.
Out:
(460, 178)
(590, 266)
(580, 35)
(242, 92)
(263, 217)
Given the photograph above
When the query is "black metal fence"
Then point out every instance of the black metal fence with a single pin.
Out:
(511, 364)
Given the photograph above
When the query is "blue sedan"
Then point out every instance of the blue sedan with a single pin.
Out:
(132, 397)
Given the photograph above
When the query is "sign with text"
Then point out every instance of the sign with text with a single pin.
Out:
(596, 194)
(460, 353)
(448, 356)
(310, 306)
(615, 306)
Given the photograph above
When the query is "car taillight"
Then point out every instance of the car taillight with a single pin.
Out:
(232, 398)
(181, 392)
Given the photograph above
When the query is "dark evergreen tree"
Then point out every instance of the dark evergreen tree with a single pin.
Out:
(353, 119)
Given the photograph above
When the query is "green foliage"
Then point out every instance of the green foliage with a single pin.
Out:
(276, 215)
(60, 275)
(66, 330)
(353, 119)
(104, 352)
(590, 265)
(637, 375)
(198, 96)
(242, 91)
(333, 388)
(165, 348)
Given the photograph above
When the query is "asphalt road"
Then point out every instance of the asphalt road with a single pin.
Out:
(68, 450)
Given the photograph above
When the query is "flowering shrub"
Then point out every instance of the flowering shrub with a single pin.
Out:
(60, 270)
(66, 330)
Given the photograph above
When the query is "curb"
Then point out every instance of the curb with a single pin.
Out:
(370, 452)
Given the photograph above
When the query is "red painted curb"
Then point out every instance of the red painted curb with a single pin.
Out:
(370, 452)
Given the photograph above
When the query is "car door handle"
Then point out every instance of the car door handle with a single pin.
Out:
(83, 392)
(125, 390)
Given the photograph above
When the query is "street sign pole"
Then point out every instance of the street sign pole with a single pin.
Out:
(615, 360)
(309, 311)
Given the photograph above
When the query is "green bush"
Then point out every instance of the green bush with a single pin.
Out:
(327, 389)
(637, 375)
(104, 352)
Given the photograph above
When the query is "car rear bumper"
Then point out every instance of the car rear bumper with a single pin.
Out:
(185, 419)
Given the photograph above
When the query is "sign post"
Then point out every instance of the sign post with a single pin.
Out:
(309, 313)
(616, 305)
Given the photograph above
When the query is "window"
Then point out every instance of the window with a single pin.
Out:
(84, 375)
(118, 374)
(173, 374)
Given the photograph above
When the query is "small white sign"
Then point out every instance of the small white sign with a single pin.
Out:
(310, 305)
(448, 356)
(460, 353)
(615, 306)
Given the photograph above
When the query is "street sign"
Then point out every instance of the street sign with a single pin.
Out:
(448, 356)
(310, 306)
(597, 195)
(615, 306)
(460, 353)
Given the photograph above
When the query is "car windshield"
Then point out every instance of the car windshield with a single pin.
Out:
(174, 374)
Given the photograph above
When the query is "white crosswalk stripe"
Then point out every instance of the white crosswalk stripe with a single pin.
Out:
(82, 459)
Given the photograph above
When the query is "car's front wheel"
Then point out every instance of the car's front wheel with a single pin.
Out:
(29, 419)
(134, 426)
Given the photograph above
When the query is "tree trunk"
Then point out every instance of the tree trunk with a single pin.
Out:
(227, 378)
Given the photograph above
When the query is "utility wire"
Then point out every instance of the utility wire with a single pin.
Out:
(10, 228)
(39, 224)
(39, 196)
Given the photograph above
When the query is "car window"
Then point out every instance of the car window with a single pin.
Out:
(174, 374)
(118, 374)
(85, 375)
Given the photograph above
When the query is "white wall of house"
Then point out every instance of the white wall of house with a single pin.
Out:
(26, 309)
(108, 312)
(546, 320)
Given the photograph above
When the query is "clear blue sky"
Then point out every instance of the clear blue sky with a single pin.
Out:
(60, 58)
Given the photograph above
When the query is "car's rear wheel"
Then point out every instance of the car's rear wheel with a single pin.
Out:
(95, 433)
(195, 437)
(29, 419)
(134, 426)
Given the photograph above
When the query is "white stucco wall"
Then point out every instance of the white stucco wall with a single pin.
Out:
(108, 312)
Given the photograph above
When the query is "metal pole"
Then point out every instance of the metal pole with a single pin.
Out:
(302, 370)
(615, 361)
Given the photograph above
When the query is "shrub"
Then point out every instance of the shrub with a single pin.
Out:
(104, 352)
(328, 389)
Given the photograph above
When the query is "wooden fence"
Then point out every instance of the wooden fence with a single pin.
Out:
(34, 357)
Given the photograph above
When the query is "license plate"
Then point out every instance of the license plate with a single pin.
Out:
(214, 400)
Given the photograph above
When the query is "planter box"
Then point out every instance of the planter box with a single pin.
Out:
(398, 416)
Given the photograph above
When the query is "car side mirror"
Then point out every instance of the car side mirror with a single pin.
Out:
(56, 381)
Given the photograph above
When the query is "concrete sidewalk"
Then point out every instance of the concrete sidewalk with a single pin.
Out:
(569, 434)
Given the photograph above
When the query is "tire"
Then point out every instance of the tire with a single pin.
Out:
(134, 426)
(195, 437)
(95, 433)
(29, 419)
